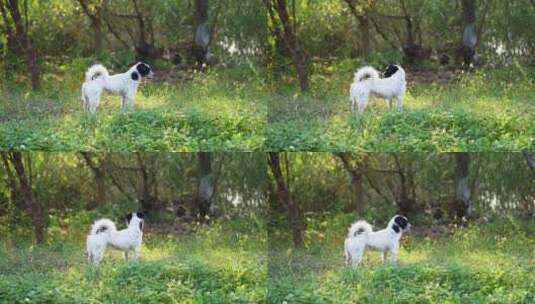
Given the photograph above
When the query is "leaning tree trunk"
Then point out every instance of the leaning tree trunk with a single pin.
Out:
(288, 34)
(33, 206)
(202, 32)
(468, 48)
(283, 195)
(364, 26)
(206, 188)
(24, 40)
(357, 177)
(99, 174)
(463, 202)
(529, 158)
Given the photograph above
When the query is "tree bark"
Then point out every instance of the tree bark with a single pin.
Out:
(529, 158)
(356, 173)
(24, 187)
(283, 195)
(289, 36)
(206, 187)
(463, 193)
(96, 23)
(99, 174)
(201, 38)
(23, 38)
(404, 202)
(364, 23)
(468, 47)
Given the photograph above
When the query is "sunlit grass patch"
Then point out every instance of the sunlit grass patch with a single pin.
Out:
(481, 264)
(212, 112)
(220, 263)
(478, 112)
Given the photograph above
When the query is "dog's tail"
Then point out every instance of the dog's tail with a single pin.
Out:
(103, 226)
(96, 71)
(366, 72)
(359, 228)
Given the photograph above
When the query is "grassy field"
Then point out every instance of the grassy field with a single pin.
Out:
(221, 110)
(492, 263)
(443, 111)
(222, 263)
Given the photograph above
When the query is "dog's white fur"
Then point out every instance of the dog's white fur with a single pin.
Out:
(361, 237)
(98, 80)
(104, 234)
(368, 82)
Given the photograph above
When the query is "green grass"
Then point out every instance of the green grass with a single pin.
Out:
(217, 264)
(487, 264)
(492, 111)
(222, 110)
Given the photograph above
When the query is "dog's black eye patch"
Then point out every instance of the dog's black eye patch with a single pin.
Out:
(396, 228)
(102, 229)
(128, 218)
(140, 214)
(135, 76)
(143, 69)
(401, 221)
(390, 70)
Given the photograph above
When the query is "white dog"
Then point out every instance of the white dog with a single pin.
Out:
(97, 80)
(104, 234)
(361, 237)
(367, 82)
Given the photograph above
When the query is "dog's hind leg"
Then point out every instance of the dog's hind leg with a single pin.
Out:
(362, 102)
(399, 102)
(126, 255)
(383, 257)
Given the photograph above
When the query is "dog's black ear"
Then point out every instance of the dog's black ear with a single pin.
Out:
(128, 218)
(390, 70)
(135, 76)
(143, 69)
(395, 228)
(401, 221)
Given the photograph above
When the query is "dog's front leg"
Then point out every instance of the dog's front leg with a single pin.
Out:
(136, 253)
(383, 256)
(394, 255)
(126, 255)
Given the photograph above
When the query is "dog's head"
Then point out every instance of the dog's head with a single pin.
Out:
(141, 69)
(135, 218)
(391, 69)
(399, 224)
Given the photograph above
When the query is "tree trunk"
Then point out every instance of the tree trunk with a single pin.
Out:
(365, 35)
(357, 177)
(206, 188)
(24, 40)
(32, 205)
(99, 174)
(201, 39)
(96, 23)
(529, 158)
(283, 195)
(289, 36)
(463, 202)
(364, 23)
(468, 48)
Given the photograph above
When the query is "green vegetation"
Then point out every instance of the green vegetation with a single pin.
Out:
(477, 111)
(219, 110)
(221, 263)
(486, 263)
